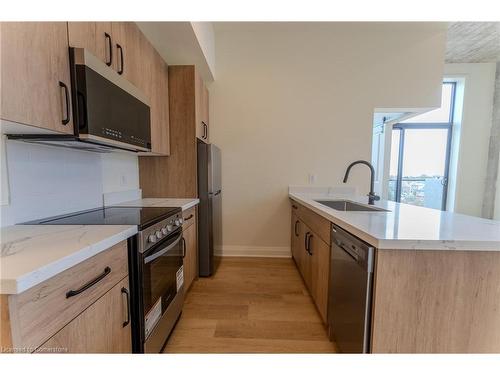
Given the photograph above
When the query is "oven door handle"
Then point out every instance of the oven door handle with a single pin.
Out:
(161, 252)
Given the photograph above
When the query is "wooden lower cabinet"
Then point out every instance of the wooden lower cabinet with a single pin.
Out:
(320, 273)
(104, 327)
(191, 257)
(312, 256)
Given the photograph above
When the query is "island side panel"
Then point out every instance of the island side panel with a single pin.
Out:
(5, 328)
(436, 302)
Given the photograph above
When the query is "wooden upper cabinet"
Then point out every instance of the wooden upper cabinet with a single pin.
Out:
(35, 81)
(104, 327)
(127, 49)
(202, 125)
(96, 37)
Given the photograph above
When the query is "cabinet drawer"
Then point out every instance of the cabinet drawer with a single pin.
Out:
(317, 223)
(104, 327)
(189, 217)
(41, 311)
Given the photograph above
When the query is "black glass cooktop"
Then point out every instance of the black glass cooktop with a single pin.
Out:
(140, 216)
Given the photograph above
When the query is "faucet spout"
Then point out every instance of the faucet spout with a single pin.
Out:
(372, 197)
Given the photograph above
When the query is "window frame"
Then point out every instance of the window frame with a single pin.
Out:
(427, 125)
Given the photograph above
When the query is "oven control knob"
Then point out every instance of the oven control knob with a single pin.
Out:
(181, 220)
(158, 234)
(169, 228)
(152, 238)
(164, 230)
(177, 222)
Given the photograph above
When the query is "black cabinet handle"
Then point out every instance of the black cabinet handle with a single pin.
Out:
(189, 217)
(127, 294)
(295, 230)
(73, 293)
(306, 241)
(183, 247)
(110, 47)
(309, 244)
(294, 207)
(65, 120)
(122, 62)
(205, 130)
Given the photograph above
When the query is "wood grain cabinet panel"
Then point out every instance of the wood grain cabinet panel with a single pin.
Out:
(295, 241)
(39, 312)
(202, 110)
(189, 217)
(191, 258)
(158, 92)
(311, 254)
(320, 273)
(175, 176)
(34, 75)
(96, 37)
(436, 302)
(104, 327)
(127, 49)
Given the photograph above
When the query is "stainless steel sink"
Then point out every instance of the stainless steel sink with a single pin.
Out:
(344, 205)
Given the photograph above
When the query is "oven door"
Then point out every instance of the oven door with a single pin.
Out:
(162, 279)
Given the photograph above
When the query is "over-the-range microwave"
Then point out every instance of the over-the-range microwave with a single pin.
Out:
(109, 113)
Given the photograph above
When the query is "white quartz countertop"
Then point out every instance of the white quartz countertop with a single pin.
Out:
(406, 227)
(183, 203)
(31, 254)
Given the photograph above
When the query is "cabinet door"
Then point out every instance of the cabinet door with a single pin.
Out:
(320, 271)
(204, 112)
(93, 36)
(35, 79)
(104, 327)
(295, 242)
(127, 49)
(191, 259)
(305, 258)
(201, 101)
(160, 135)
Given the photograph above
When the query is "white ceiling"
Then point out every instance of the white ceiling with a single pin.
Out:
(178, 44)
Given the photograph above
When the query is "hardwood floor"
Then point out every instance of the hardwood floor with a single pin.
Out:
(252, 305)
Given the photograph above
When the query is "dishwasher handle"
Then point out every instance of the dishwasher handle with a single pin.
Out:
(351, 253)
(361, 252)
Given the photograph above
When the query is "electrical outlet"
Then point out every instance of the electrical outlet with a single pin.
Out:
(312, 178)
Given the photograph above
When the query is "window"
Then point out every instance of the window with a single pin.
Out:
(420, 153)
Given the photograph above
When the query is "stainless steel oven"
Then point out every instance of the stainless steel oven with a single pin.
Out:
(162, 289)
(157, 276)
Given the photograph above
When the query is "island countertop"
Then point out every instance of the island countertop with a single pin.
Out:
(404, 227)
(31, 254)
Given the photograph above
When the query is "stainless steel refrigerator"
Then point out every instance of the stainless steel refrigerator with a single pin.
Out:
(210, 208)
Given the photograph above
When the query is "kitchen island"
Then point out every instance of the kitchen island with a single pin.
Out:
(436, 284)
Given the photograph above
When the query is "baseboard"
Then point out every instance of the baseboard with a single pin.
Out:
(254, 251)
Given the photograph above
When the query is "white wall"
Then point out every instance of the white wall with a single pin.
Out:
(471, 134)
(297, 99)
(497, 198)
(45, 181)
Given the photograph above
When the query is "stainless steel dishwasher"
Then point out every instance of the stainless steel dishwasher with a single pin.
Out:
(350, 292)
